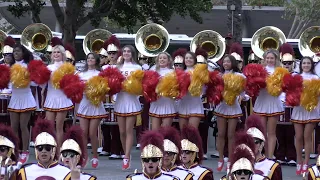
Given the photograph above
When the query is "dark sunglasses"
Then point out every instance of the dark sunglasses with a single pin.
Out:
(256, 141)
(44, 147)
(101, 56)
(69, 154)
(178, 65)
(143, 59)
(112, 52)
(7, 54)
(187, 152)
(287, 63)
(4, 148)
(245, 172)
(169, 153)
(146, 160)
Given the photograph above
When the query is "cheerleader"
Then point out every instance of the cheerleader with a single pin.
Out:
(228, 115)
(267, 106)
(313, 172)
(127, 106)
(192, 154)
(89, 114)
(8, 60)
(22, 102)
(57, 104)
(304, 121)
(162, 111)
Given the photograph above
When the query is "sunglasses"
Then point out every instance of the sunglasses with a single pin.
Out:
(146, 160)
(69, 154)
(178, 65)
(187, 152)
(7, 54)
(101, 56)
(112, 52)
(245, 172)
(169, 153)
(287, 63)
(44, 147)
(256, 141)
(4, 148)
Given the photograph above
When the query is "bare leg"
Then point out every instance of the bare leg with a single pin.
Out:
(232, 124)
(264, 122)
(155, 123)
(122, 130)
(51, 115)
(182, 122)
(272, 135)
(93, 130)
(24, 121)
(308, 130)
(194, 121)
(130, 121)
(14, 121)
(167, 121)
(61, 116)
(84, 124)
(298, 128)
(222, 126)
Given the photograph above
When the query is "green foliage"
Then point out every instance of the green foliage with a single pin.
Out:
(306, 10)
(265, 2)
(20, 7)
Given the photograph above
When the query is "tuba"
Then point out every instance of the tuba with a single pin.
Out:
(212, 42)
(152, 39)
(93, 41)
(36, 37)
(309, 41)
(3, 36)
(268, 37)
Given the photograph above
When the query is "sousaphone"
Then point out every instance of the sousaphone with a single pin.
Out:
(36, 37)
(152, 39)
(93, 41)
(309, 41)
(3, 36)
(268, 37)
(210, 41)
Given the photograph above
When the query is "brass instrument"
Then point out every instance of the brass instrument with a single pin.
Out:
(3, 36)
(93, 41)
(268, 37)
(152, 39)
(36, 37)
(309, 41)
(210, 41)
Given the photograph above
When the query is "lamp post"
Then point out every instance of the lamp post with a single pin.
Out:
(232, 8)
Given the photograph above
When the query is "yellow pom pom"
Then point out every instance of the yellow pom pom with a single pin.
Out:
(96, 89)
(19, 76)
(234, 84)
(199, 77)
(310, 94)
(133, 84)
(168, 86)
(57, 75)
(274, 81)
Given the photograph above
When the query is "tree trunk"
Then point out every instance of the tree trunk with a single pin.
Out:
(294, 24)
(297, 28)
(301, 30)
(236, 25)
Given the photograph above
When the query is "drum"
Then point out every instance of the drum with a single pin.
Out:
(4, 102)
(285, 118)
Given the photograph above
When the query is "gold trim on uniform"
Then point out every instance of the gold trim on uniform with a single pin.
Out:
(163, 115)
(92, 117)
(269, 115)
(59, 110)
(127, 114)
(228, 116)
(304, 121)
(191, 115)
(22, 110)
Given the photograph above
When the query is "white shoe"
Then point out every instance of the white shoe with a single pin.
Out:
(114, 156)
(226, 159)
(281, 162)
(292, 163)
(205, 157)
(138, 146)
(99, 150)
(89, 145)
(104, 153)
(31, 144)
(313, 156)
(122, 156)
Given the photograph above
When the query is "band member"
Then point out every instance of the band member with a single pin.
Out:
(313, 172)
(237, 52)
(90, 115)
(56, 103)
(22, 102)
(143, 61)
(151, 158)
(172, 151)
(127, 106)
(73, 151)
(269, 168)
(178, 58)
(70, 54)
(162, 111)
(192, 153)
(228, 114)
(267, 106)
(304, 120)
(47, 166)
(286, 153)
(252, 58)
(7, 51)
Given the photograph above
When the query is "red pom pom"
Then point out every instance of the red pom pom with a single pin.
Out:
(149, 83)
(293, 87)
(215, 88)
(115, 79)
(4, 76)
(72, 87)
(39, 73)
(184, 81)
(256, 78)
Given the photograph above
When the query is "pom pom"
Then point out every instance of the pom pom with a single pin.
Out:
(236, 48)
(256, 78)
(19, 76)
(72, 87)
(202, 52)
(179, 52)
(114, 78)
(199, 77)
(234, 84)
(168, 86)
(56, 41)
(9, 41)
(184, 81)
(310, 94)
(57, 75)
(133, 84)
(215, 88)
(96, 90)
(292, 86)
(274, 81)
(39, 73)
(4, 76)
(149, 83)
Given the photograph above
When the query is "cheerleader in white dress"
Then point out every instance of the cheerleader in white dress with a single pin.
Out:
(22, 103)
(57, 104)
(269, 107)
(89, 114)
(162, 111)
(228, 115)
(304, 121)
(127, 106)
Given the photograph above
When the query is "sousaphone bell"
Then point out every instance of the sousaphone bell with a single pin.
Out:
(210, 41)
(268, 37)
(93, 41)
(152, 39)
(36, 37)
(309, 41)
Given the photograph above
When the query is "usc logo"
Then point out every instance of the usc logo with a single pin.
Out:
(126, 73)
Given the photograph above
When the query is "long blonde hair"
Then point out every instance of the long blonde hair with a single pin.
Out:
(170, 61)
(62, 50)
(276, 55)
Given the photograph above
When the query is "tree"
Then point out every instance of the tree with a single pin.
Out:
(125, 13)
(234, 22)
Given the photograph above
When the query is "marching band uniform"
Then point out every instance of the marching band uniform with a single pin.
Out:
(151, 148)
(191, 141)
(313, 172)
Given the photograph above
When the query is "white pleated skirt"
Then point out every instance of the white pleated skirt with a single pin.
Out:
(22, 100)
(127, 105)
(267, 105)
(162, 108)
(57, 101)
(190, 106)
(300, 115)
(226, 111)
(89, 111)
